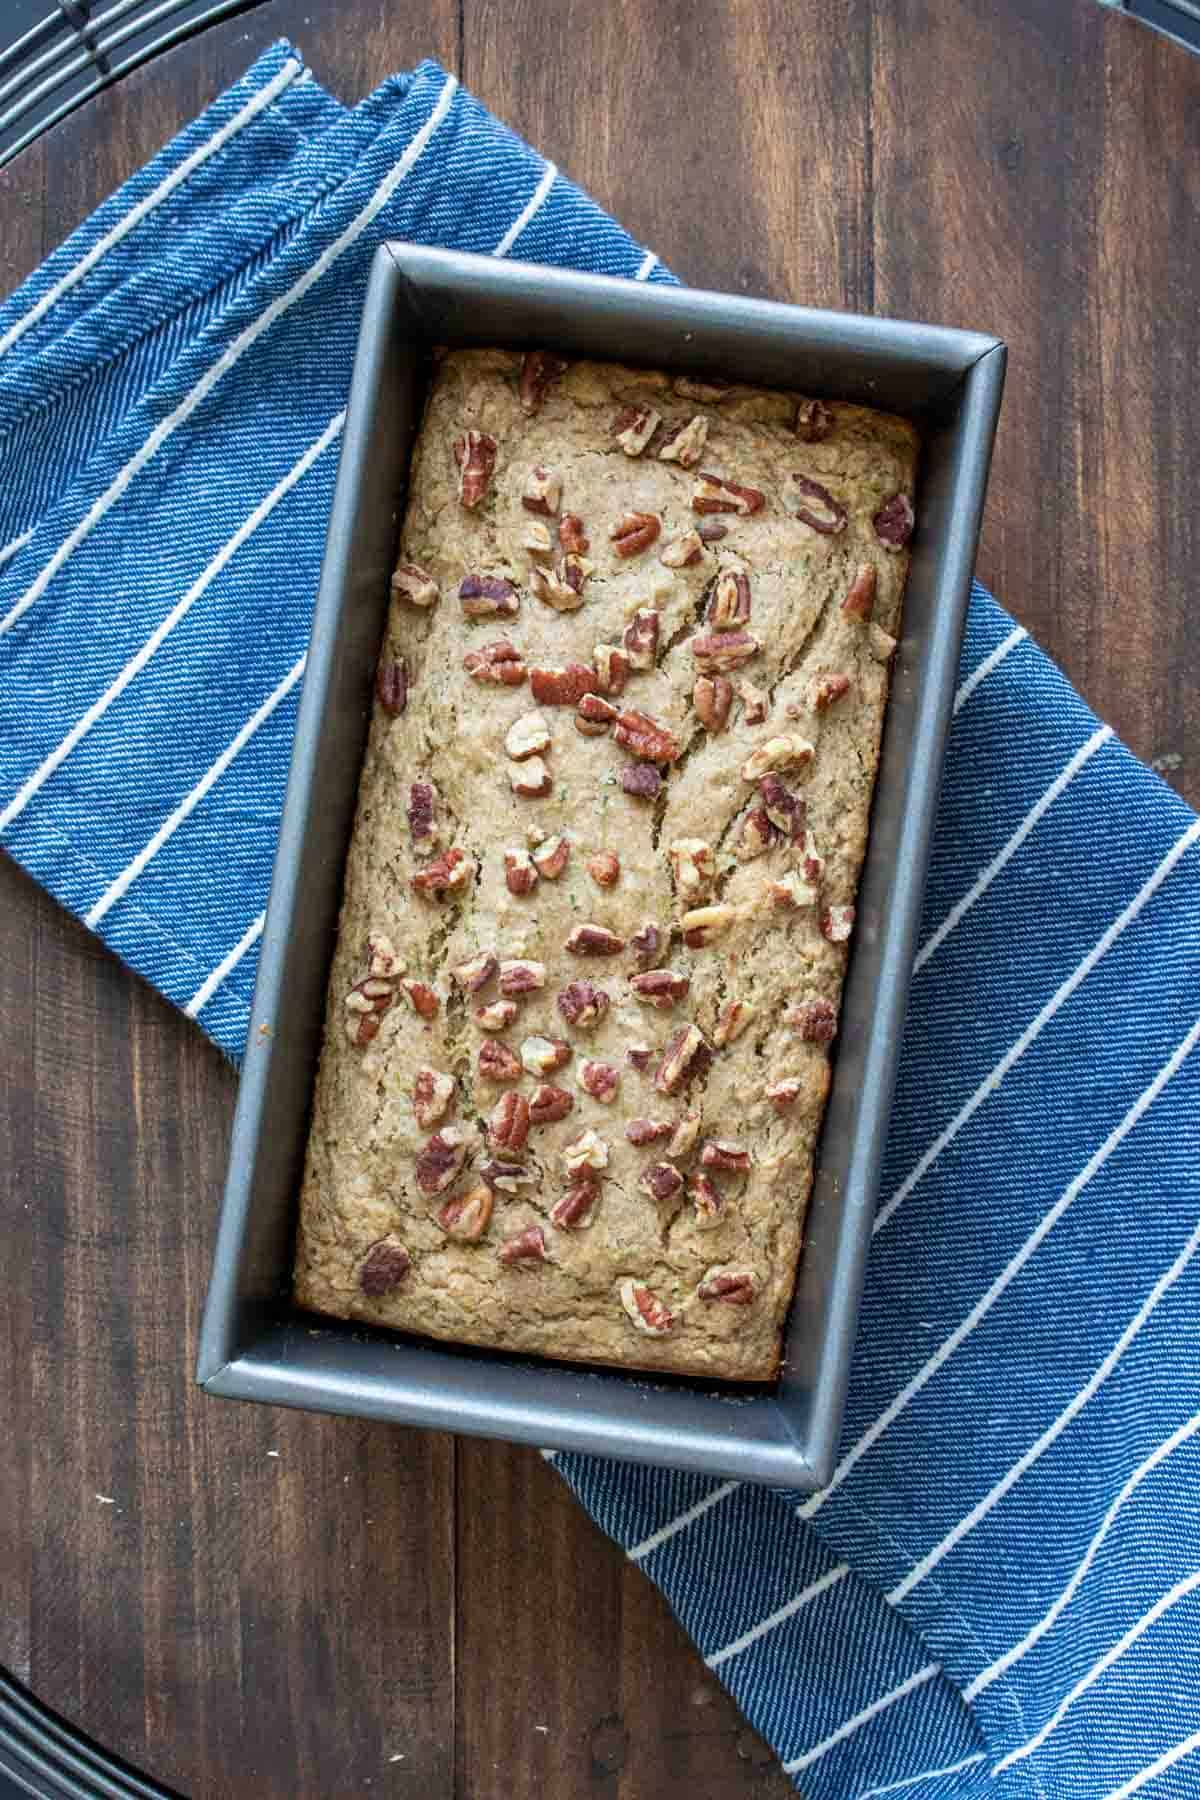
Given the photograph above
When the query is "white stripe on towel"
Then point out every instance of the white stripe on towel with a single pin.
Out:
(225, 967)
(527, 211)
(862, 1718)
(1167, 1760)
(789, 1610)
(9, 550)
(681, 1522)
(991, 661)
(647, 263)
(894, 1787)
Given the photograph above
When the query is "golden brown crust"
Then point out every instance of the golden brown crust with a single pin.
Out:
(737, 845)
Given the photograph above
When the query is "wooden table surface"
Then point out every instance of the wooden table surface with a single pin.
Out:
(274, 1604)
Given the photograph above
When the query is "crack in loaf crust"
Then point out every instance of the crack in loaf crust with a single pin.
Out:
(627, 722)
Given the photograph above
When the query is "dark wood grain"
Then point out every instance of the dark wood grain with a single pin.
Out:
(254, 1603)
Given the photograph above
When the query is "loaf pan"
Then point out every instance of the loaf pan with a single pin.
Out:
(254, 1344)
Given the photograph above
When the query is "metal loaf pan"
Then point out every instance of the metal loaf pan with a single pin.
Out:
(254, 1345)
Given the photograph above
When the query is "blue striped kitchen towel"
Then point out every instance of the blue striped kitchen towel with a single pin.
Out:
(999, 1592)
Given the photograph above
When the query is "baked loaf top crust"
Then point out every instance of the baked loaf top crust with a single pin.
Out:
(599, 895)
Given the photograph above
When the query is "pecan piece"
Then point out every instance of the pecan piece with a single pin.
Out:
(661, 1181)
(662, 988)
(573, 1212)
(594, 716)
(784, 752)
(599, 1079)
(441, 1161)
(497, 1063)
(475, 454)
(646, 941)
(391, 685)
(582, 1004)
(520, 872)
(542, 492)
(509, 1177)
(860, 598)
(645, 738)
(708, 1200)
(640, 641)
(754, 703)
(718, 651)
(551, 855)
(485, 596)
(420, 817)
(814, 421)
(551, 586)
(476, 972)
(543, 1055)
(538, 369)
(693, 866)
(519, 975)
(685, 1055)
(548, 1104)
(446, 874)
(684, 1136)
(527, 736)
(783, 1094)
(594, 940)
(639, 1057)
(712, 697)
(498, 662)
(792, 890)
(704, 923)
(711, 531)
(634, 532)
(837, 922)
(604, 868)
(563, 685)
(531, 779)
(712, 493)
(720, 1153)
(647, 1131)
(384, 1268)
(734, 1017)
(690, 387)
(508, 1124)
(814, 1021)
(466, 1216)
(730, 603)
(496, 1017)
(737, 1286)
(383, 958)
(685, 445)
(814, 505)
(647, 1311)
(642, 780)
(634, 426)
(572, 536)
(680, 552)
(612, 669)
(366, 1003)
(412, 583)
(421, 998)
(527, 1246)
(881, 645)
(894, 522)
(535, 540)
(787, 811)
(587, 1151)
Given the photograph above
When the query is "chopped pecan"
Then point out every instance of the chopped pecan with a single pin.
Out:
(647, 1131)
(713, 493)
(639, 1057)
(712, 697)
(814, 505)
(594, 716)
(730, 603)
(784, 752)
(661, 1181)
(476, 972)
(543, 491)
(693, 866)
(646, 941)
(441, 1161)
(837, 922)
(783, 1094)
(754, 703)
(641, 638)
(718, 651)
(860, 599)
(509, 1177)
(634, 532)
(538, 369)
(605, 868)
(734, 1017)
(527, 736)
(684, 1136)
(736, 1286)
(612, 668)
(814, 1021)
(642, 780)
(708, 1200)
(720, 1153)
(711, 531)
(881, 645)
(787, 811)
(551, 855)
(587, 1151)
(518, 975)
(535, 539)
(384, 1268)
(685, 445)
(446, 874)
(634, 426)
(412, 583)
(420, 817)
(531, 779)
(894, 522)
(572, 536)
(383, 958)
(498, 662)
(594, 940)
(527, 1246)
(485, 596)
(564, 685)
(508, 1124)
(691, 387)
(573, 1212)
(466, 1215)
(685, 1055)
(366, 1003)
(421, 998)
(543, 1055)
(574, 571)
(391, 685)
(704, 923)
(552, 587)
(645, 738)
(582, 1004)
(599, 1079)
(497, 1063)
(475, 454)
(814, 421)
(548, 1104)
(520, 872)
(496, 1017)
(679, 552)
(792, 889)
(647, 1311)
(663, 988)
